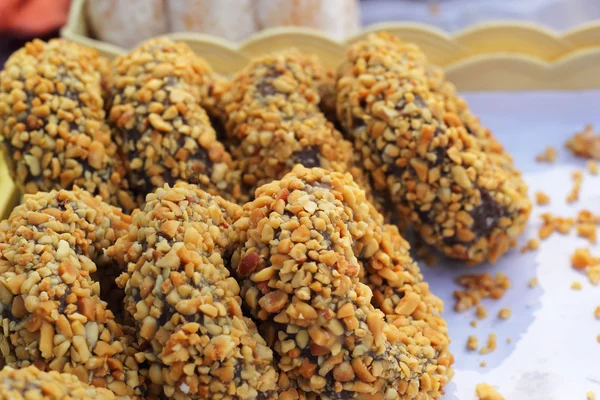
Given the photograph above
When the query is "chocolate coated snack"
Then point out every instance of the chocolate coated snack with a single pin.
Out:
(32, 384)
(312, 248)
(50, 305)
(186, 306)
(52, 119)
(163, 132)
(274, 120)
(448, 176)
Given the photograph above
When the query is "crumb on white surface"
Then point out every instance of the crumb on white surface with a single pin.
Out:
(574, 193)
(487, 392)
(541, 198)
(491, 344)
(481, 312)
(532, 244)
(549, 155)
(472, 342)
(504, 313)
(477, 287)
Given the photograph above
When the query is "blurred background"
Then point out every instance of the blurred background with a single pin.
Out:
(127, 22)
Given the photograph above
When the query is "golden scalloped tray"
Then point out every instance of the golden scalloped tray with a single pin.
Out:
(503, 55)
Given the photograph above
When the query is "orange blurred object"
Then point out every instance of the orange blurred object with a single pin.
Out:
(32, 17)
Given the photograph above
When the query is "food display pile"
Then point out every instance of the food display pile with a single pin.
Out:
(187, 236)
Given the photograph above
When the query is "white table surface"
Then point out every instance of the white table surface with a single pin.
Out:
(554, 353)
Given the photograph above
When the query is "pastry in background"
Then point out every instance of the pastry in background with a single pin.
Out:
(338, 18)
(126, 22)
(229, 19)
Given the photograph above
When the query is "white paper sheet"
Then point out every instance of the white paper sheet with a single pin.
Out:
(554, 353)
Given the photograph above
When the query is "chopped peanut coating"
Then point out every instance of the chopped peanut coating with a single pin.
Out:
(451, 179)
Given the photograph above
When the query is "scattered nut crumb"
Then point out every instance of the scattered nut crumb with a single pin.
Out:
(479, 286)
(590, 395)
(473, 323)
(585, 144)
(533, 282)
(592, 167)
(472, 342)
(483, 364)
(597, 312)
(532, 244)
(576, 285)
(552, 223)
(504, 313)
(481, 312)
(542, 198)
(549, 155)
(491, 344)
(587, 216)
(508, 340)
(574, 194)
(587, 230)
(583, 260)
(486, 392)
(598, 338)
(593, 274)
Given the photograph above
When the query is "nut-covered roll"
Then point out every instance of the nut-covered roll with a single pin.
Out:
(453, 182)
(187, 308)
(311, 246)
(50, 304)
(52, 119)
(273, 114)
(32, 384)
(164, 133)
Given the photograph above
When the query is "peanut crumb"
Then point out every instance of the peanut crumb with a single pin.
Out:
(491, 344)
(532, 244)
(479, 286)
(587, 230)
(508, 340)
(598, 338)
(549, 155)
(593, 274)
(576, 285)
(585, 144)
(597, 312)
(586, 216)
(504, 313)
(542, 198)
(533, 282)
(487, 392)
(552, 223)
(473, 323)
(472, 342)
(590, 395)
(481, 312)
(583, 260)
(483, 364)
(592, 167)
(574, 194)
